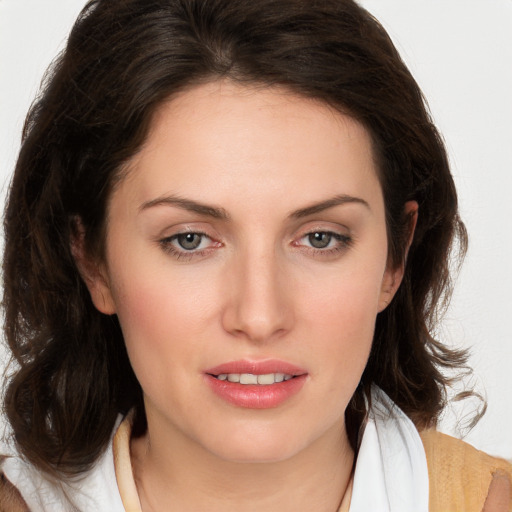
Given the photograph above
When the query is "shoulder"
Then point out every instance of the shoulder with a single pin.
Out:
(24, 487)
(462, 478)
(10, 498)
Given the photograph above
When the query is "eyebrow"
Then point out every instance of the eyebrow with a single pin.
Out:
(329, 203)
(187, 204)
(221, 213)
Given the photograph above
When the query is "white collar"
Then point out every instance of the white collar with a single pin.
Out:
(391, 471)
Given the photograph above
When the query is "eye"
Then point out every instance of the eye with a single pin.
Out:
(188, 244)
(323, 243)
(325, 240)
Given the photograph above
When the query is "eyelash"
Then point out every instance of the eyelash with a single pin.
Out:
(343, 243)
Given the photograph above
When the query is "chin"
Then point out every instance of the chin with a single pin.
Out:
(259, 447)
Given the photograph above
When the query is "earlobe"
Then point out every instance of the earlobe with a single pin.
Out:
(92, 272)
(393, 275)
(390, 283)
(101, 296)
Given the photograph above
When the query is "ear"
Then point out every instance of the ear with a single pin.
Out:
(93, 273)
(393, 275)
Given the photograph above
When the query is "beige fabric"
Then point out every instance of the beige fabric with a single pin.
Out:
(123, 467)
(460, 476)
(345, 503)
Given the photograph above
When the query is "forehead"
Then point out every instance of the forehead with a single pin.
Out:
(220, 141)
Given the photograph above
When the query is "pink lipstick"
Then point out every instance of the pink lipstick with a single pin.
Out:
(256, 384)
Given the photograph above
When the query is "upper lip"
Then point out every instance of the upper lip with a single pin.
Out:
(257, 367)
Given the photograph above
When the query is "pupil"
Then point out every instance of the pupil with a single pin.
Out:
(320, 240)
(189, 241)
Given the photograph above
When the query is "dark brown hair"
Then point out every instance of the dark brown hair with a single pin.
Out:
(123, 58)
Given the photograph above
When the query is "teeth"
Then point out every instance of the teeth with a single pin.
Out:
(269, 378)
(249, 378)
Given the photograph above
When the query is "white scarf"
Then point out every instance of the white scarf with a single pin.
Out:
(390, 475)
(391, 470)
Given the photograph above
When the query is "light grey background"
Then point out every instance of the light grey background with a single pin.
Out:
(460, 51)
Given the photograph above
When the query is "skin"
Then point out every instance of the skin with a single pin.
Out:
(256, 289)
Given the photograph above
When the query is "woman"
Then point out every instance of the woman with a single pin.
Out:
(227, 238)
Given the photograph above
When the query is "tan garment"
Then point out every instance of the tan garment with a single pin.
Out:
(123, 465)
(460, 476)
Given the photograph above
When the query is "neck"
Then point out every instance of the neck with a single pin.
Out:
(173, 473)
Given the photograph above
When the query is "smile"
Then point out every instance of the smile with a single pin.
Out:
(250, 378)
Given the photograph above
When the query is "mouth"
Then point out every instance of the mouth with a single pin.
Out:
(256, 384)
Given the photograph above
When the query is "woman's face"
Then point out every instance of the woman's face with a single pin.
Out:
(248, 242)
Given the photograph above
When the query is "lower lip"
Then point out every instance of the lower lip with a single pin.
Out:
(255, 396)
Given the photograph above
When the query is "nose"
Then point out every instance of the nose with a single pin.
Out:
(259, 307)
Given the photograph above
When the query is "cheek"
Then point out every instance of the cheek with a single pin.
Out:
(341, 317)
(151, 296)
(347, 299)
(161, 317)
(346, 329)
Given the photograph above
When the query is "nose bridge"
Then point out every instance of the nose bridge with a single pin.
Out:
(259, 308)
